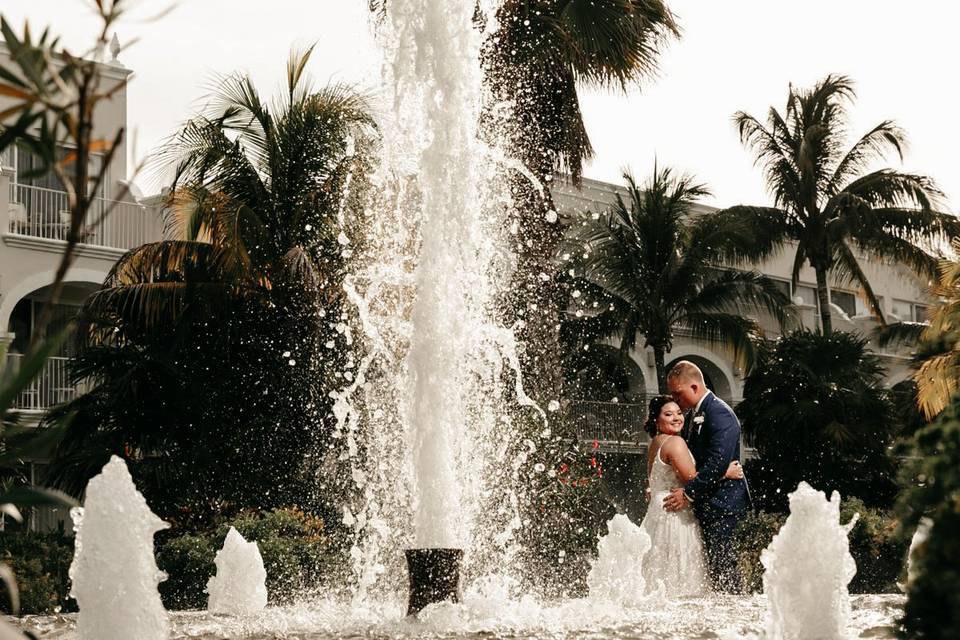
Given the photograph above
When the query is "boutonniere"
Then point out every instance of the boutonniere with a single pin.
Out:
(698, 420)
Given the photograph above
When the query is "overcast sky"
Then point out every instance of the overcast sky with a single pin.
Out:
(734, 54)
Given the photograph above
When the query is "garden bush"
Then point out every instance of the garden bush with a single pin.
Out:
(40, 563)
(933, 597)
(297, 555)
(876, 547)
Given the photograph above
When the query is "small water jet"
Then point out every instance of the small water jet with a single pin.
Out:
(114, 575)
(616, 575)
(239, 586)
(808, 567)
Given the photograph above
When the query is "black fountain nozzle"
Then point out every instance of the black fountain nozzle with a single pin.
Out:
(434, 577)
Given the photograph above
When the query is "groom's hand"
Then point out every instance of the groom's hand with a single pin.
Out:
(676, 501)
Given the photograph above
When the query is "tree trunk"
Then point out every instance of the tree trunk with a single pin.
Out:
(823, 296)
(658, 358)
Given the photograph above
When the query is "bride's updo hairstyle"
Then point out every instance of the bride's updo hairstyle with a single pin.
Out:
(653, 412)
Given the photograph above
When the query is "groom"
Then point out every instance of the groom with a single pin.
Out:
(719, 504)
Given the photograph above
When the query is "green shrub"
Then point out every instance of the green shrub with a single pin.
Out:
(933, 597)
(816, 409)
(40, 563)
(296, 553)
(875, 545)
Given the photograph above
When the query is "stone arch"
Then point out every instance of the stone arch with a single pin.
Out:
(717, 374)
(622, 376)
(38, 281)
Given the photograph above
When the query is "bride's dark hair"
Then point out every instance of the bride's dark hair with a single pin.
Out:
(653, 412)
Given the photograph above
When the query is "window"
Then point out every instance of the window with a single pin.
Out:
(28, 164)
(783, 286)
(807, 294)
(909, 311)
(902, 309)
(846, 301)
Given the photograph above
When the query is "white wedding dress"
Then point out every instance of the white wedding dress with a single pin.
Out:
(675, 563)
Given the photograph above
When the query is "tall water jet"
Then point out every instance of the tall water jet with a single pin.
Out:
(421, 422)
(239, 586)
(807, 569)
(114, 575)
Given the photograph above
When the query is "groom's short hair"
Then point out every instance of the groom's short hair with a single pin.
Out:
(687, 372)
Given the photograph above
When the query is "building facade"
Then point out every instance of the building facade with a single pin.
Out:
(34, 222)
(903, 297)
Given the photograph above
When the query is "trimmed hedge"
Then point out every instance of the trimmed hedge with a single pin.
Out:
(40, 563)
(880, 553)
(296, 554)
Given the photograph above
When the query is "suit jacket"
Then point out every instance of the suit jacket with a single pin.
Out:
(715, 442)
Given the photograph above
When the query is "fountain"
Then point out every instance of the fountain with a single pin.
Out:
(425, 429)
(425, 425)
(808, 567)
(617, 575)
(114, 575)
(239, 586)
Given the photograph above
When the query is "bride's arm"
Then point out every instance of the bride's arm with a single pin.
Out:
(675, 453)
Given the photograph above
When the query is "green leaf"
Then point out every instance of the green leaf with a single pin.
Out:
(25, 496)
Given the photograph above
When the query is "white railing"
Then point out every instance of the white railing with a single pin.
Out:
(45, 213)
(608, 421)
(49, 389)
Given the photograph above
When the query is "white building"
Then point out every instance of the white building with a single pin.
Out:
(903, 296)
(34, 219)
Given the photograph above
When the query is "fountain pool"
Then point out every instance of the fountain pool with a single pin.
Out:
(486, 614)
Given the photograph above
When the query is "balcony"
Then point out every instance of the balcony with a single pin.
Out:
(38, 212)
(612, 425)
(49, 389)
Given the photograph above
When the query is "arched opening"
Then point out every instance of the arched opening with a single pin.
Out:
(609, 395)
(52, 386)
(714, 377)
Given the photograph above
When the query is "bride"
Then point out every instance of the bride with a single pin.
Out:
(676, 562)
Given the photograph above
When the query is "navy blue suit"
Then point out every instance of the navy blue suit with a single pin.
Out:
(718, 503)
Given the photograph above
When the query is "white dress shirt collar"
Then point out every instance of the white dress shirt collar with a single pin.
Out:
(697, 409)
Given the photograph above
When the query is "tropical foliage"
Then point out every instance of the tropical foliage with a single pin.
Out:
(534, 62)
(936, 357)
(263, 222)
(649, 267)
(832, 203)
(816, 410)
(932, 609)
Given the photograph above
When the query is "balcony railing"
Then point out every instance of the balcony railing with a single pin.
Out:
(49, 389)
(608, 421)
(45, 213)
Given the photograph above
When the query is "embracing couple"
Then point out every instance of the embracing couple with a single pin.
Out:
(697, 492)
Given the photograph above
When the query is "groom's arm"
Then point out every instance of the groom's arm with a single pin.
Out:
(721, 449)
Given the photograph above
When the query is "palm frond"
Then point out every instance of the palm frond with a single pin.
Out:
(733, 331)
(897, 333)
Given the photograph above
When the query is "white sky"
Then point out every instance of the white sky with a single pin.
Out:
(734, 54)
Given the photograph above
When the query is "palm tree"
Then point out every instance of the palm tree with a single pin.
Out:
(655, 266)
(936, 359)
(236, 301)
(831, 204)
(535, 61)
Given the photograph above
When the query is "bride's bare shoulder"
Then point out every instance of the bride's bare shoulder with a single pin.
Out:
(674, 444)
